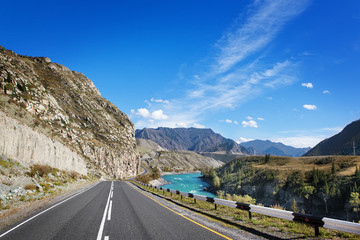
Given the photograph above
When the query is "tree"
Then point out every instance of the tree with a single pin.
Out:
(333, 170)
(216, 182)
(294, 206)
(325, 194)
(267, 158)
(355, 202)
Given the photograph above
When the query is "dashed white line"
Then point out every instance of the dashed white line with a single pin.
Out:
(111, 194)
(101, 229)
(109, 213)
(106, 238)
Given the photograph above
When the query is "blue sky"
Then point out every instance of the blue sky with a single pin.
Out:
(284, 70)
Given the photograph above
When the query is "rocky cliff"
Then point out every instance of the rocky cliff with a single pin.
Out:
(66, 106)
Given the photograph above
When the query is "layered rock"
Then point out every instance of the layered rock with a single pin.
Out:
(67, 106)
(22, 143)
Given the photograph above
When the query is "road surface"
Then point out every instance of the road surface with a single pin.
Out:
(109, 210)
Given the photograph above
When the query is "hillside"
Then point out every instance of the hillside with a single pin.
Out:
(178, 161)
(57, 116)
(172, 160)
(320, 185)
(147, 148)
(261, 147)
(190, 139)
(341, 143)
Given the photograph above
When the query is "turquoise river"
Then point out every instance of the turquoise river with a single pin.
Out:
(191, 183)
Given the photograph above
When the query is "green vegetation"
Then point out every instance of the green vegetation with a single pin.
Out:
(154, 173)
(314, 185)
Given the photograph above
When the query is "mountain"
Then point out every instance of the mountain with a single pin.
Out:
(261, 147)
(341, 143)
(52, 115)
(191, 139)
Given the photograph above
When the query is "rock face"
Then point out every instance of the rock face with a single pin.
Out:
(18, 141)
(67, 106)
(191, 139)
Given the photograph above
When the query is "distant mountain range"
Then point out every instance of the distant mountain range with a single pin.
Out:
(191, 139)
(341, 143)
(261, 147)
(206, 140)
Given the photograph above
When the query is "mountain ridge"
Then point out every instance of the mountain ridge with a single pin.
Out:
(341, 143)
(263, 147)
(190, 139)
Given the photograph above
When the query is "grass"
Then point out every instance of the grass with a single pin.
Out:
(240, 218)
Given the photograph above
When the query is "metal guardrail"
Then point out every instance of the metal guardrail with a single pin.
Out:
(311, 220)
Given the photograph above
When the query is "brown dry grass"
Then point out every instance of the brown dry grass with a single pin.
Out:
(344, 165)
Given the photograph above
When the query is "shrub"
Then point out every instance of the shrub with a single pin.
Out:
(30, 187)
(74, 174)
(42, 170)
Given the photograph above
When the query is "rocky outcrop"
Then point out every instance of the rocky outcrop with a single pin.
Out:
(66, 106)
(26, 145)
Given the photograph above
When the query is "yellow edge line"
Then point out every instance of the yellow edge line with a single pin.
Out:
(181, 214)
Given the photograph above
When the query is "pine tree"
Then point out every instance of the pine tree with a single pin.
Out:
(294, 206)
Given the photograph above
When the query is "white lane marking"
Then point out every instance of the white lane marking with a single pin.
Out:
(111, 194)
(101, 229)
(45, 211)
(106, 238)
(109, 212)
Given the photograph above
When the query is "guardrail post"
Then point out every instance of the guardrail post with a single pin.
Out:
(250, 217)
(195, 200)
(215, 206)
(317, 231)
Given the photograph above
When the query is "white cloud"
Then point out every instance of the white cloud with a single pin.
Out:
(260, 119)
(229, 121)
(197, 125)
(308, 85)
(259, 28)
(250, 123)
(326, 92)
(309, 107)
(159, 115)
(145, 113)
(249, 118)
(242, 139)
(159, 100)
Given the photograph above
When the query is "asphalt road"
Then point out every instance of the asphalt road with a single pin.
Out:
(109, 210)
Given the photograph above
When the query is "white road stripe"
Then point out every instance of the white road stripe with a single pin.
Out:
(45, 211)
(106, 238)
(109, 212)
(101, 229)
(111, 194)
